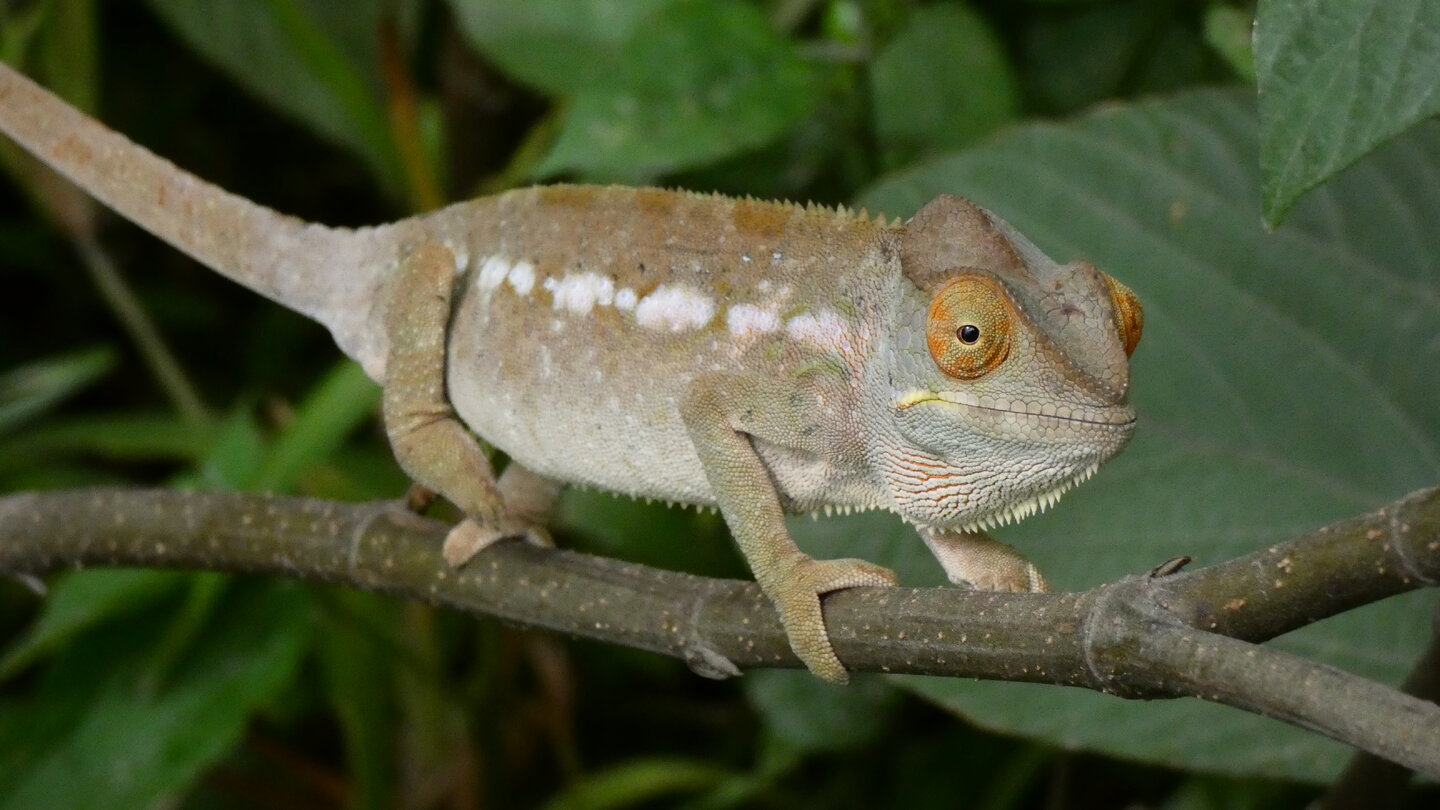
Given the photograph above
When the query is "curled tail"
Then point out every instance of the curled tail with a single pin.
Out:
(330, 275)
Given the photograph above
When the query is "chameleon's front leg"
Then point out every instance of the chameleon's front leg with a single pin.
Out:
(430, 443)
(713, 409)
(981, 562)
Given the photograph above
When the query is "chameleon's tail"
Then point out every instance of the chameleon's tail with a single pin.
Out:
(331, 275)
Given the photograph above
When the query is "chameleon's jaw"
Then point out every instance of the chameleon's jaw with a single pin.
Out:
(1019, 510)
(988, 462)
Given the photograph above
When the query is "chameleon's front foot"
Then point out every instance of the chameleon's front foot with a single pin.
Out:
(976, 560)
(797, 598)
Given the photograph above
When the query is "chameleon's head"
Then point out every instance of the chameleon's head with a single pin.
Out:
(1009, 374)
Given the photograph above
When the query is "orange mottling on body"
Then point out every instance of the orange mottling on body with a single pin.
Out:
(760, 222)
(656, 202)
(71, 149)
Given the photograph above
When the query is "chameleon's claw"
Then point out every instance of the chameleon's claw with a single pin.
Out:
(419, 497)
(469, 538)
(798, 601)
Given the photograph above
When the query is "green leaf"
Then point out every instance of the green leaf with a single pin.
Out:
(18, 29)
(79, 601)
(1285, 381)
(637, 781)
(235, 457)
(315, 60)
(1228, 32)
(676, 100)
(558, 46)
(1337, 79)
(143, 437)
(330, 413)
(943, 82)
(814, 716)
(101, 734)
(358, 667)
(32, 389)
(68, 51)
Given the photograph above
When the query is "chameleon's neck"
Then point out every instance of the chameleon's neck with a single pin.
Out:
(280, 257)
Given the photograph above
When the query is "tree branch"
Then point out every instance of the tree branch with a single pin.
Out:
(1188, 634)
(1369, 782)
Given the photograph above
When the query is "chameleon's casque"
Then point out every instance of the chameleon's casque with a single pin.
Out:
(755, 356)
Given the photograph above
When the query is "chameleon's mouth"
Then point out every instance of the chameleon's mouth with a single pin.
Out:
(1102, 417)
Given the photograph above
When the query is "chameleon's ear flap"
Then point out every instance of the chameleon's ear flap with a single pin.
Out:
(951, 233)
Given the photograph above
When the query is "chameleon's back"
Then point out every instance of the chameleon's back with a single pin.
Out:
(585, 311)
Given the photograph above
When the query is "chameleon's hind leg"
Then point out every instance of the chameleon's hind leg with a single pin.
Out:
(429, 441)
(981, 562)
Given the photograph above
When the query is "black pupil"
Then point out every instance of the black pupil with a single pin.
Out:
(968, 334)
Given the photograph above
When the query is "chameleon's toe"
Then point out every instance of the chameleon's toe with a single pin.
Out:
(798, 602)
(470, 537)
(1015, 575)
(1029, 580)
(976, 560)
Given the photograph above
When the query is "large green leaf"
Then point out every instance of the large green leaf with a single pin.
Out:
(1285, 380)
(1336, 79)
(813, 717)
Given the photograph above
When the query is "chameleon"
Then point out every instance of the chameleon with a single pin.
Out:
(759, 357)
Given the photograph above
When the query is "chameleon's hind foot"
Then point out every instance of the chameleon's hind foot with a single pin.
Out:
(469, 538)
(797, 598)
(528, 499)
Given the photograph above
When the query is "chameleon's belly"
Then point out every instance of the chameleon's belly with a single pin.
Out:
(582, 394)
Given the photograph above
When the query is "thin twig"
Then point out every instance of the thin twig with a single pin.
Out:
(132, 316)
(1188, 634)
(403, 111)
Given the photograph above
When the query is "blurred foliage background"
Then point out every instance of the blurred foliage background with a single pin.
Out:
(1286, 379)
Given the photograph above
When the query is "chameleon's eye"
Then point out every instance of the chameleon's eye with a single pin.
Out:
(969, 326)
(1129, 318)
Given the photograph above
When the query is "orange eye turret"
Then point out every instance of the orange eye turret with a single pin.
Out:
(969, 328)
(1129, 318)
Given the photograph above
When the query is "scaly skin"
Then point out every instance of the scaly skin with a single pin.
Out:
(758, 357)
